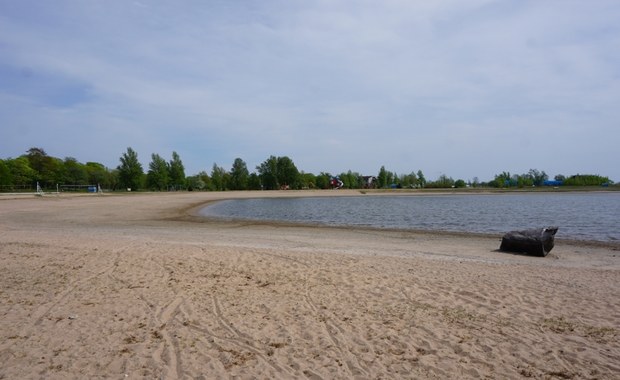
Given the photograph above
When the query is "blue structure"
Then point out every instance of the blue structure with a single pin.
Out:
(553, 183)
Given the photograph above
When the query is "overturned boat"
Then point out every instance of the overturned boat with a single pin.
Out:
(536, 241)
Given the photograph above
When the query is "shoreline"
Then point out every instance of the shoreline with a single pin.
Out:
(134, 287)
(191, 212)
(195, 212)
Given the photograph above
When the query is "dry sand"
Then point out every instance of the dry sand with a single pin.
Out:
(135, 286)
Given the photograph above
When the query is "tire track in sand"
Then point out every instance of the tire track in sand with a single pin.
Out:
(333, 331)
(241, 339)
(168, 351)
(42, 311)
(336, 335)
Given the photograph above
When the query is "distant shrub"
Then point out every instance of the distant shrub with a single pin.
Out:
(586, 180)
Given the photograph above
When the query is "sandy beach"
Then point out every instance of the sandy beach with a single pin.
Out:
(137, 286)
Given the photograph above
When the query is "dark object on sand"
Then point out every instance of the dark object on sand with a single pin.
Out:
(537, 241)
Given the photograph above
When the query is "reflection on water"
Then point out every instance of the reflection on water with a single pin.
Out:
(586, 216)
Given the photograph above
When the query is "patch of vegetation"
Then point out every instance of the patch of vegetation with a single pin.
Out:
(458, 315)
(558, 325)
(561, 325)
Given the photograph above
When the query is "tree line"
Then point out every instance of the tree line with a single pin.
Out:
(539, 178)
(36, 166)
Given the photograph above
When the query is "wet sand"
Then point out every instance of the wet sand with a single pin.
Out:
(137, 286)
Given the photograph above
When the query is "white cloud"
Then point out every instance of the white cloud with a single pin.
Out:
(456, 87)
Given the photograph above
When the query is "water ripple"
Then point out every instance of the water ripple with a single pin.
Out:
(584, 216)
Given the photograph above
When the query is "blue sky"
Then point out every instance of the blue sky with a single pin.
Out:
(465, 88)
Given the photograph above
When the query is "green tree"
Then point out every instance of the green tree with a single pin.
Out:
(501, 180)
(268, 172)
(538, 177)
(421, 179)
(239, 175)
(114, 179)
(219, 178)
(409, 180)
(204, 177)
(199, 181)
(157, 177)
(98, 174)
(176, 172)
(49, 170)
(279, 172)
(75, 173)
(351, 180)
(443, 182)
(21, 172)
(382, 178)
(130, 171)
(522, 181)
(322, 180)
(587, 180)
(395, 179)
(6, 179)
(307, 180)
(254, 182)
(287, 173)
(459, 183)
(38, 159)
(195, 183)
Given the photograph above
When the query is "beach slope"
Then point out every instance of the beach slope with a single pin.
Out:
(137, 286)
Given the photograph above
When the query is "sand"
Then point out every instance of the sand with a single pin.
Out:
(136, 286)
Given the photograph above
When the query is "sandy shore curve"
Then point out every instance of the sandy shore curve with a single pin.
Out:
(137, 286)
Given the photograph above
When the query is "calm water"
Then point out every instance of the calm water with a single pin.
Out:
(584, 216)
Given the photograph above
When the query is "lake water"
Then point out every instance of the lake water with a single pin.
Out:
(582, 216)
